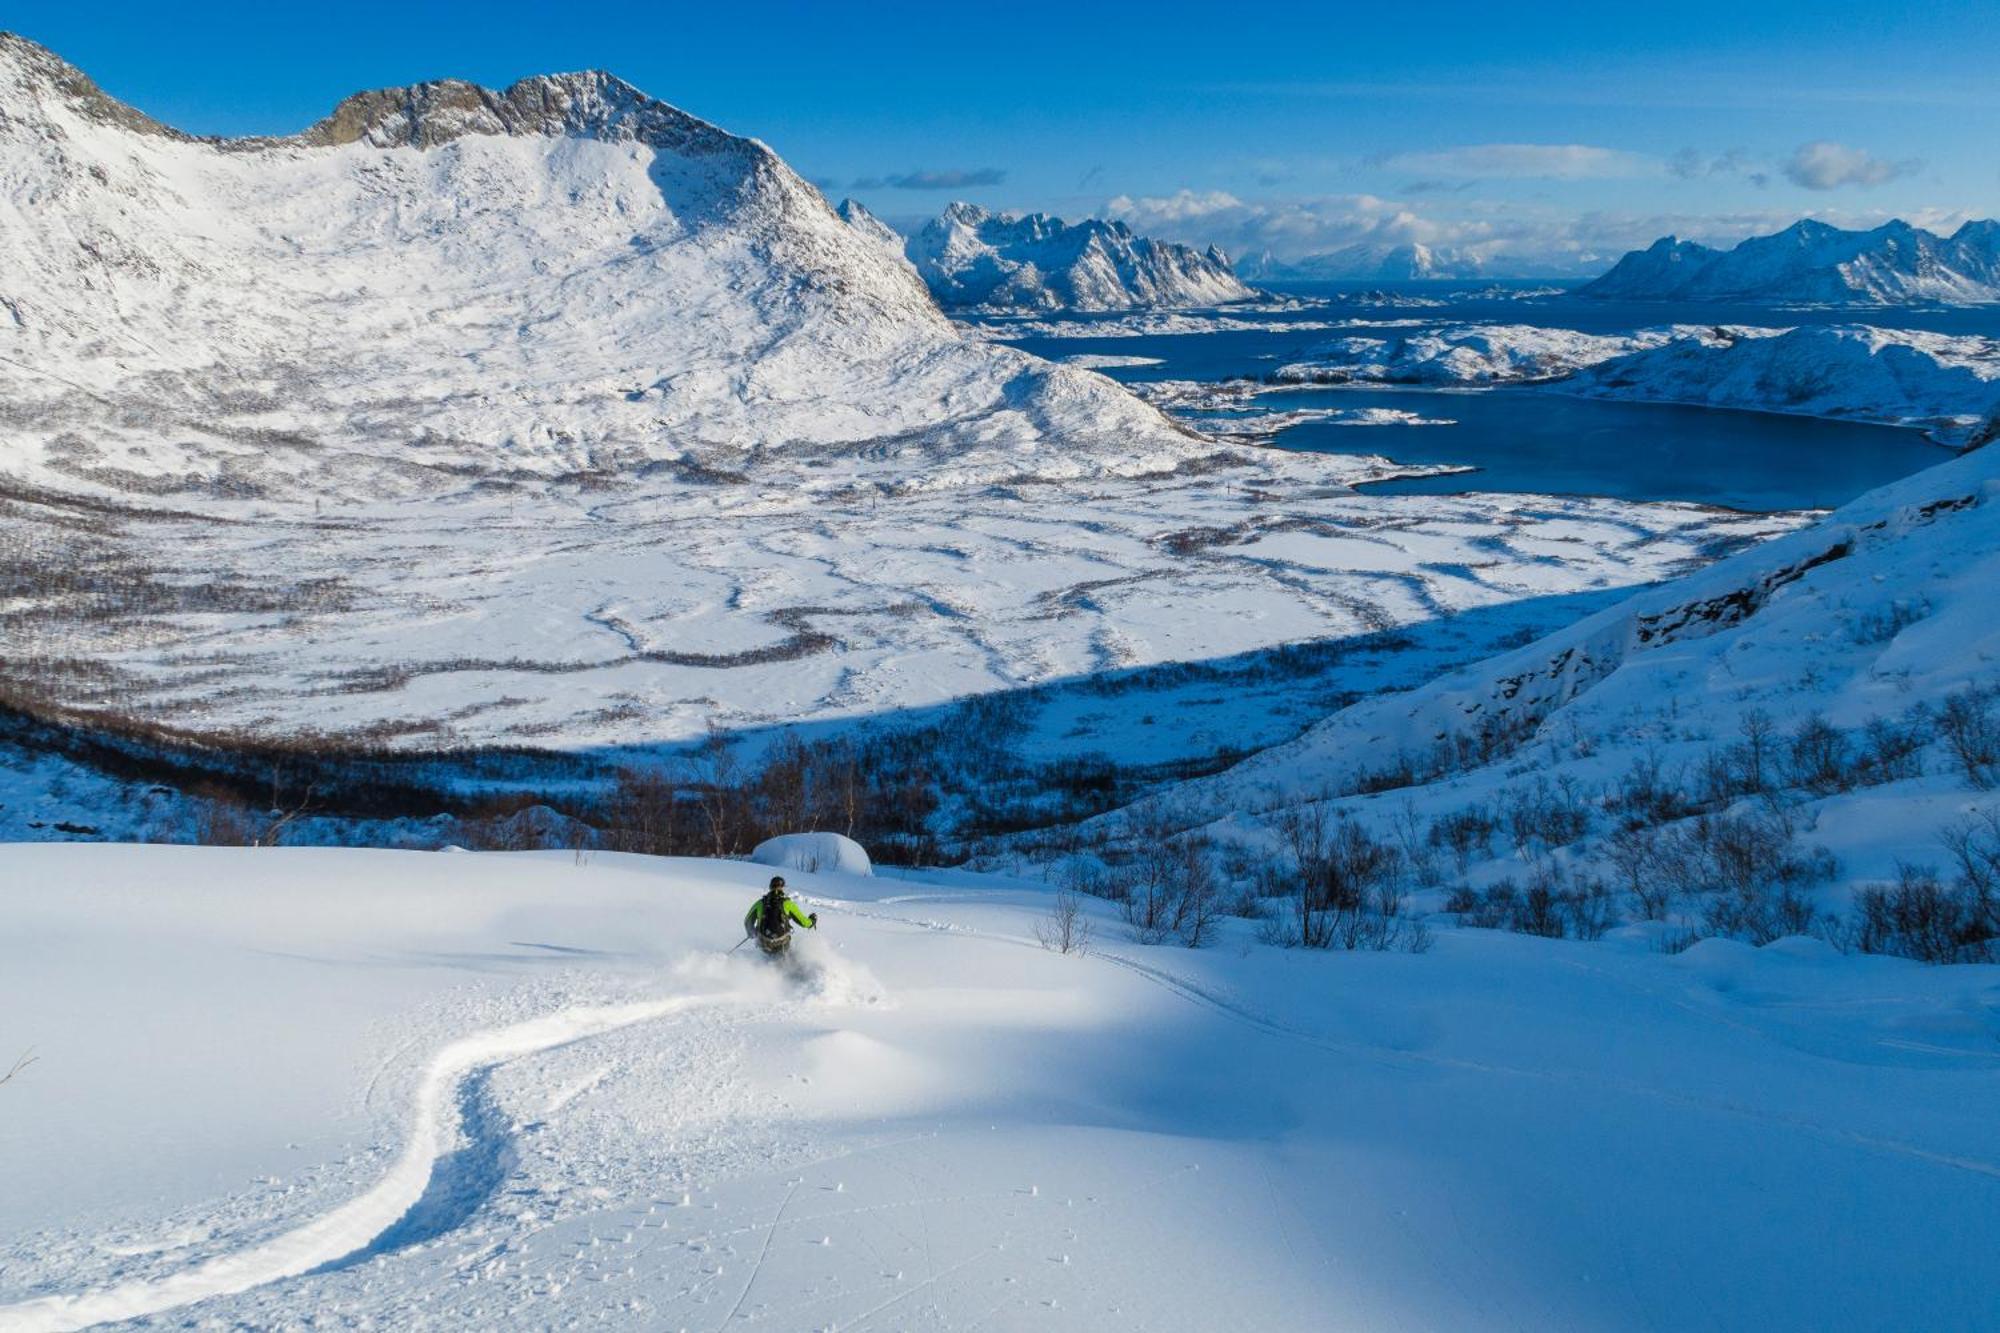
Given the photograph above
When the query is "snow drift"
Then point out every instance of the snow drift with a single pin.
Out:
(813, 853)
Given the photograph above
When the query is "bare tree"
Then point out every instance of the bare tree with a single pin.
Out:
(281, 816)
(1065, 929)
(28, 1057)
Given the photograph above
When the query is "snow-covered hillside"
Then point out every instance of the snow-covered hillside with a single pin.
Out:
(1815, 263)
(445, 286)
(1461, 355)
(976, 259)
(1737, 752)
(1948, 385)
(282, 1088)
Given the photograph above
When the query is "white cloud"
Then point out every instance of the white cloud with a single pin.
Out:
(1524, 161)
(1287, 227)
(1825, 165)
(1508, 237)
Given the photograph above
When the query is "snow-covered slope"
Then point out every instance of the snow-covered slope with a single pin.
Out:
(1949, 386)
(1813, 262)
(973, 258)
(443, 285)
(875, 229)
(290, 1088)
(1459, 355)
(1736, 752)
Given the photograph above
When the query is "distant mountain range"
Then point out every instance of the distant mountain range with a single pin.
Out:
(972, 258)
(1364, 262)
(1812, 262)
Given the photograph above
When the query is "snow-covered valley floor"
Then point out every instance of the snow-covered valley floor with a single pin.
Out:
(339, 1088)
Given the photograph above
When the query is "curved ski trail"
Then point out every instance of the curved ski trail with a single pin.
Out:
(360, 1223)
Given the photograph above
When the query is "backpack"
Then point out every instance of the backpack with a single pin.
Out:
(771, 921)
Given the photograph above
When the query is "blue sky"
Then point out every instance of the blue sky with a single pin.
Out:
(1540, 134)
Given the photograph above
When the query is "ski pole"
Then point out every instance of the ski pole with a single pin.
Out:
(739, 944)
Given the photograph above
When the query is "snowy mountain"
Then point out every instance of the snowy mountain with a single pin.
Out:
(1386, 263)
(1813, 262)
(875, 229)
(972, 258)
(445, 285)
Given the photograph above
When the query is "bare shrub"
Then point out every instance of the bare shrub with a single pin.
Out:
(221, 820)
(1555, 904)
(1343, 885)
(1819, 758)
(1420, 853)
(1169, 888)
(1919, 917)
(646, 813)
(1972, 733)
(1885, 623)
(1974, 844)
(1893, 750)
(1544, 815)
(1467, 833)
(1066, 928)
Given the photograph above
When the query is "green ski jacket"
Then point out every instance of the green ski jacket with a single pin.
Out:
(791, 910)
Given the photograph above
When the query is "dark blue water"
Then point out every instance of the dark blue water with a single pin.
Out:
(1533, 440)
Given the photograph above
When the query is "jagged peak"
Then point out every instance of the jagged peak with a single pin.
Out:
(38, 72)
(586, 104)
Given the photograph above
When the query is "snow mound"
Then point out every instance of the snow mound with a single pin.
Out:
(814, 853)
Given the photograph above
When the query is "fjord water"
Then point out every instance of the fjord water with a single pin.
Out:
(1532, 440)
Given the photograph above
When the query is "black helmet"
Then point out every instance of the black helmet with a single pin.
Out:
(778, 883)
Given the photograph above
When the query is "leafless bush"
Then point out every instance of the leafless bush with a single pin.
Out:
(1342, 887)
(1972, 733)
(1894, 750)
(1420, 853)
(1647, 793)
(1819, 758)
(1920, 917)
(1066, 928)
(1170, 888)
(1974, 844)
(1467, 832)
(1544, 815)
(1885, 623)
(1555, 904)
(646, 813)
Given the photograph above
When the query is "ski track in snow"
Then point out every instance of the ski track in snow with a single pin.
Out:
(392, 1213)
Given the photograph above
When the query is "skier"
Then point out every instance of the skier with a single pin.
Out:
(770, 919)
